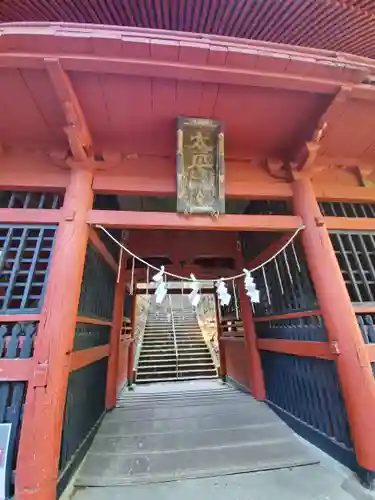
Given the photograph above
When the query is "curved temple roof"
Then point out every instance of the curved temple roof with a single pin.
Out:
(338, 25)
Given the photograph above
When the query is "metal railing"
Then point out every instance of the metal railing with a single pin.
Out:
(174, 334)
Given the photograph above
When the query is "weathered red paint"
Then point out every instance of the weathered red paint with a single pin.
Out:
(353, 364)
(86, 320)
(38, 457)
(155, 176)
(30, 216)
(169, 220)
(292, 315)
(18, 318)
(79, 359)
(237, 365)
(297, 348)
(253, 357)
(16, 370)
(102, 249)
(349, 223)
(131, 351)
(268, 252)
(179, 248)
(117, 319)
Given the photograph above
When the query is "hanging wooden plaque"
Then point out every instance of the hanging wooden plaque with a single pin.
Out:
(200, 166)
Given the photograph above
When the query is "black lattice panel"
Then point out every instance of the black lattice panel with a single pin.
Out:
(367, 326)
(25, 254)
(12, 399)
(17, 340)
(355, 253)
(336, 209)
(285, 284)
(310, 328)
(98, 286)
(85, 404)
(308, 389)
(269, 207)
(87, 336)
(27, 199)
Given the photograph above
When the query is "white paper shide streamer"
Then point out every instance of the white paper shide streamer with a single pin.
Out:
(222, 293)
(194, 295)
(250, 287)
(161, 289)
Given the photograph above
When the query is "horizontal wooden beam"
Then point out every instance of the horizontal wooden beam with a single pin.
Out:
(93, 321)
(268, 252)
(19, 318)
(170, 220)
(349, 224)
(232, 339)
(29, 216)
(102, 249)
(79, 359)
(13, 370)
(364, 308)
(292, 315)
(156, 176)
(337, 193)
(176, 70)
(297, 348)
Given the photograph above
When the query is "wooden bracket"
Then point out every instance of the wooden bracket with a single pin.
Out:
(305, 160)
(335, 348)
(76, 128)
(319, 221)
(275, 168)
(40, 374)
(363, 172)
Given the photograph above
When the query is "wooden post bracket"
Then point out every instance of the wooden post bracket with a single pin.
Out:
(304, 162)
(77, 131)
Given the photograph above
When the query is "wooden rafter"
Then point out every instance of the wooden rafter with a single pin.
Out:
(76, 129)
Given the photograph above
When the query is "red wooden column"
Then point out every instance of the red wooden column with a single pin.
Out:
(38, 457)
(353, 365)
(222, 354)
(131, 351)
(257, 387)
(114, 344)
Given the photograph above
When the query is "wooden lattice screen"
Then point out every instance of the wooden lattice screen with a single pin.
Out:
(25, 254)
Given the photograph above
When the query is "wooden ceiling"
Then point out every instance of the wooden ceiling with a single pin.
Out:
(337, 25)
(121, 90)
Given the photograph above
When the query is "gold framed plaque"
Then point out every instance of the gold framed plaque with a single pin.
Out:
(200, 166)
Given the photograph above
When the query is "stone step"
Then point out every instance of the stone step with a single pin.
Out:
(167, 359)
(159, 367)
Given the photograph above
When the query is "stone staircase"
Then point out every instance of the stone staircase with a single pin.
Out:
(188, 430)
(168, 355)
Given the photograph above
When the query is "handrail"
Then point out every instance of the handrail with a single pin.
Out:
(174, 334)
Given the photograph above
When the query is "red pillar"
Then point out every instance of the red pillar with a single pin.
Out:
(257, 387)
(223, 359)
(353, 365)
(114, 344)
(131, 352)
(38, 457)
